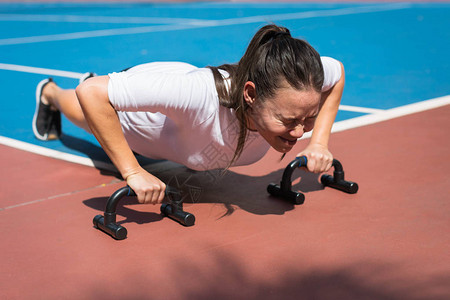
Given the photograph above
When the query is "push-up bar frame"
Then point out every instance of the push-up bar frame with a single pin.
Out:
(284, 190)
(173, 210)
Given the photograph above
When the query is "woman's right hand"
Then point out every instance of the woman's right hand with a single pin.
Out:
(148, 188)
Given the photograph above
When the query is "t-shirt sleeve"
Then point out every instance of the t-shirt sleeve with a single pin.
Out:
(176, 95)
(332, 72)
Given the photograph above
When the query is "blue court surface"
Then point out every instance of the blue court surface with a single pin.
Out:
(395, 54)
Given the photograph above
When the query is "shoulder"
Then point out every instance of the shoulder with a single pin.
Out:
(331, 65)
(332, 71)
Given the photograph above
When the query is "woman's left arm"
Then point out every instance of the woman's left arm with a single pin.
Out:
(319, 157)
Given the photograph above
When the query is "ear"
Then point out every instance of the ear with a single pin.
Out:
(249, 93)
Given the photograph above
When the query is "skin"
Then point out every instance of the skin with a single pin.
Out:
(319, 157)
(281, 120)
(285, 117)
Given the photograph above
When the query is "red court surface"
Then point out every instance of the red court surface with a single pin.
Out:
(391, 240)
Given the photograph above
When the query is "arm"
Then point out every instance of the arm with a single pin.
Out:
(319, 157)
(105, 125)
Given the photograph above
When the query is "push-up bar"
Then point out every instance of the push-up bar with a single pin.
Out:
(284, 190)
(173, 210)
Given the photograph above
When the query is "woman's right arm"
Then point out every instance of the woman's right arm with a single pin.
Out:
(105, 125)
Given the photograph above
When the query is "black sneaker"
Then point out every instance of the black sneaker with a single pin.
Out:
(46, 122)
(55, 128)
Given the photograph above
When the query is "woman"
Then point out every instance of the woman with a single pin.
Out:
(204, 118)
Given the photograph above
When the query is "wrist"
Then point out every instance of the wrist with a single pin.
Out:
(130, 172)
(318, 144)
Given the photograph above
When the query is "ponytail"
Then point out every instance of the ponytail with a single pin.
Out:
(273, 56)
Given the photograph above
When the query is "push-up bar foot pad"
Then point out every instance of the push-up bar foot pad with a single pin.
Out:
(337, 181)
(116, 231)
(291, 196)
(177, 214)
(107, 222)
(174, 209)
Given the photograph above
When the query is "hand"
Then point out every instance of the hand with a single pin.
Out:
(319, 158)
(148, 188)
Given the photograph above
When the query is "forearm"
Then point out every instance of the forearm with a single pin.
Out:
(104, 124)
(329, 107)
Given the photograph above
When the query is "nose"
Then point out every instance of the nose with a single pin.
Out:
(297, 131)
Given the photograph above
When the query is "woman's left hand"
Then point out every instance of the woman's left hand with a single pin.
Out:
(319, 158)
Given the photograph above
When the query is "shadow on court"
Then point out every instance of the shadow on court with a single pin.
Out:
(231, 190)
(226, 275)
(97, 155)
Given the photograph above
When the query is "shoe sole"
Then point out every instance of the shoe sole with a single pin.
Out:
(39, 89)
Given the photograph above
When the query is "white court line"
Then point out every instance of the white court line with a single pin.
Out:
(85, 161)
(309, 14)
(391, 114)
(337, 127)
(204, 24)
(91, 34)
(387, 114)
(92, 19)
(43, 71)
(365, 110)
(55, 154)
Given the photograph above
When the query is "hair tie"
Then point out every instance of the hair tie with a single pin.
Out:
(272, 35)
(281, 34)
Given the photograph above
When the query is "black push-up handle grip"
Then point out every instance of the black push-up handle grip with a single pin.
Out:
(173, 209)
(337, 181)
(284, 190)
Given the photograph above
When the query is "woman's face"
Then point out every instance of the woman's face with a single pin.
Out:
(284, 118)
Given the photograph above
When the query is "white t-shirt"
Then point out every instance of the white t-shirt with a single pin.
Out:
(170, 110)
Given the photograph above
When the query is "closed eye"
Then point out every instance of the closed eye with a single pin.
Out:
(309, 123)
(311, 119)
(290, 122)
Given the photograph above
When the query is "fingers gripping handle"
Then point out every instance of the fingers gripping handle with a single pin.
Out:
(174, 210)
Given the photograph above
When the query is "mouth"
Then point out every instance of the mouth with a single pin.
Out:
(288, 141)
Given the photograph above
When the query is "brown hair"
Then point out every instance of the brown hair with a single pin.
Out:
(272, 56)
